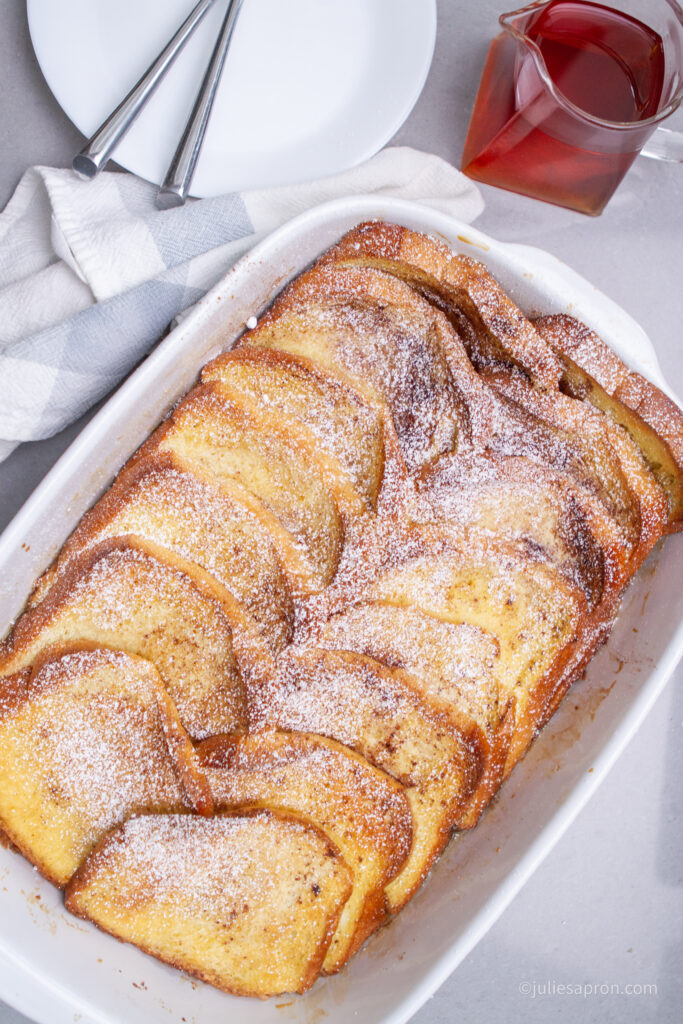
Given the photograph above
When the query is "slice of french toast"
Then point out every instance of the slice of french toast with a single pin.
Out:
(87, 738)
(550, 445)
(228, 443)
(159, 499)
(518, 499)
(594, 373)
(494, 330)
(247, 902)
(377, 335)
(536, 615)
(630, 491)
(386, 716)
(124, 594)
(453, 663)
(363, 811)
(346, 431)
(555, 351)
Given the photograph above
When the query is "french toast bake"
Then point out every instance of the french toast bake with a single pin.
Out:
(322, 612)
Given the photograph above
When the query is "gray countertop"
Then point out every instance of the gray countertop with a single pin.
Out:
(606, 906)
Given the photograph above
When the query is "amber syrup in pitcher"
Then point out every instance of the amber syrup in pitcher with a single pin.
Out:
(605, 63)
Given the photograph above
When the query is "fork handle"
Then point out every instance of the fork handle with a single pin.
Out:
(176, 184)
(94, 155)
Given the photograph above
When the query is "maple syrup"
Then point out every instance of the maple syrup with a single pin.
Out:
(565, 128)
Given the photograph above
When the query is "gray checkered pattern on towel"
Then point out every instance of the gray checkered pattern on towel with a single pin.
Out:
(92, 274)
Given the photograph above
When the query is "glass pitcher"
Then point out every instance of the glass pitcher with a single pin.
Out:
(571, 92)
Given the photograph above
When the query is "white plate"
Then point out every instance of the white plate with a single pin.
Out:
(57, 969)
(310, 88)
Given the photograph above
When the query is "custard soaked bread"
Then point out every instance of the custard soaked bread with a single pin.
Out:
(517, 499)
(248, 903)
(322, 612)
(535, 615)
(86, 740)
(652, 420)
(159, 499)
(362, 810)
(124, 594)
(493, 328)
(444, 759)
(344, 431)
(377, 335)
(555, 351)
(234, 444)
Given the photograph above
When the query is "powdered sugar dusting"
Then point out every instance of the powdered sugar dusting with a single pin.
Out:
(219, 869)
(247, 903)
(173, 507)
(357, 806)
(123, 596)
(85, 748)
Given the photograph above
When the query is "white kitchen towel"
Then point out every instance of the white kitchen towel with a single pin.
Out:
(92, 274)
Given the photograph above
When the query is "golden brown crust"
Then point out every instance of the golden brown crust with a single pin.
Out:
(463, 285)
(90, 601)
(333, 412)
(494, 774)
(7, 844)
(398, 724)
(632, 493)
(650, 417)
(448, 573)
(376, 334)
(277, 465)
(160, 499)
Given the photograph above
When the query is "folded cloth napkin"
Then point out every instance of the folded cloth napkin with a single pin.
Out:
(92, 274)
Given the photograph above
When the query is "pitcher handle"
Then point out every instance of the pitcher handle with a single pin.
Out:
(664, 144)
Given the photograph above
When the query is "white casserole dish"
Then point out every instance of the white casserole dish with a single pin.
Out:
(57, 969)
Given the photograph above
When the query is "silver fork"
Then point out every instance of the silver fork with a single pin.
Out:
(97, 150)
(176, 184)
